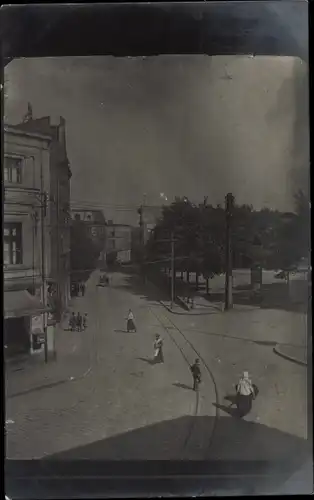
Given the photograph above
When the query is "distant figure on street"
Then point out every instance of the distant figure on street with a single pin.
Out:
(158, 349)
(196, 373)
(85, 321)
(130, 322)
(79, 322)
(246, 392)
(72, 322)
(83, 287)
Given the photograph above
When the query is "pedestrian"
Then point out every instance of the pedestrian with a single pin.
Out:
(72, 322)
(79, 322)
(158, 349)
(83, 289)
(130, 322)
(246, 392)
(196, 373)
(85, 321)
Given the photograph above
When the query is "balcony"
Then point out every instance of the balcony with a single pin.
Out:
(19, 277)
(22, 195)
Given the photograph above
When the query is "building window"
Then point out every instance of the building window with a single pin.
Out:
(13, 169)
(12, 242)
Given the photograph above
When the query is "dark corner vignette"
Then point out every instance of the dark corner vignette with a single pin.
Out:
(155, 308)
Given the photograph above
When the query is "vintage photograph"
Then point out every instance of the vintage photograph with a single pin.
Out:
(156, 257)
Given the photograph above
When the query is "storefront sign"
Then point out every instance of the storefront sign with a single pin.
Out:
(37, 324)
(37, 334)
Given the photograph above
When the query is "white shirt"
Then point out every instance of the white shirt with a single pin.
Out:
(245, 387)
(130, 315)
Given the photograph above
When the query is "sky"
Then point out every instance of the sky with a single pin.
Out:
(190, 126)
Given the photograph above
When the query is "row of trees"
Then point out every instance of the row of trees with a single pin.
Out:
(268, 238)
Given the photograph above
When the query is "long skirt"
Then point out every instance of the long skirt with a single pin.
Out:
(159, 355)
(244, 404)
(131, 326)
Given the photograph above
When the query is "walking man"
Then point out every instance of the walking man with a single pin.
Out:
(83, 289)
(158, 351)
(85, 321)
(196, 373)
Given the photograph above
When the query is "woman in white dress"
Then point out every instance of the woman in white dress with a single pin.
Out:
(130, 326)
(245, 394)
(158, 352)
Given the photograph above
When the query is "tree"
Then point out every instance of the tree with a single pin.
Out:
(199, 238)
(293, 236)
(85, 248)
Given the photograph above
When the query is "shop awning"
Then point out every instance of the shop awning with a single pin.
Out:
(22, 303)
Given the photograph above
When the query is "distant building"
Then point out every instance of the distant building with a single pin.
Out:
(94, 219)
(26, 238)
(59, 206)
(118, 241)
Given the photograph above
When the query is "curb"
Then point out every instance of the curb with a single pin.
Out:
(188, 313)
(277, 351)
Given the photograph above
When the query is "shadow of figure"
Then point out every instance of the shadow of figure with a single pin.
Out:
(148, 360)
(122, 331)
(183, 386)
(232, 398)
(230, 410)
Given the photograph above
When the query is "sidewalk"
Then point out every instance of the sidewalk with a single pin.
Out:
(292, 353)
(73, 359)
(32, 373)
(201, 307)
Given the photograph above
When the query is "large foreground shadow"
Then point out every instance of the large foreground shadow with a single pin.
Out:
(233, 440)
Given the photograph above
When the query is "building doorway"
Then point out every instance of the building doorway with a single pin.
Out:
(16, 336)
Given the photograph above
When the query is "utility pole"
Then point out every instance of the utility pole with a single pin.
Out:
(142, 239)
(228, 284)
(172, 269)
(43, 270)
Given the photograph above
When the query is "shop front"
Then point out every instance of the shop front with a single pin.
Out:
(23, 323)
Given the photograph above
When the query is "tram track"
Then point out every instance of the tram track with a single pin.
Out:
(169, 326)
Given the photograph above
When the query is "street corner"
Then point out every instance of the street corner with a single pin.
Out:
(295, 354)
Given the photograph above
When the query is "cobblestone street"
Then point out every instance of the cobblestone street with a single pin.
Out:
(126, 407)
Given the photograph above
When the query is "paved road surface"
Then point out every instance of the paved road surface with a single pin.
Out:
(128, 408)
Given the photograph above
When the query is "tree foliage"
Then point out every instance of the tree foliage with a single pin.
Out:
(85, 248)
(266, 237)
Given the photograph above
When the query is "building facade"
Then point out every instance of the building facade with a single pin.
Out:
(118, 241)
(26, 239)
(59, 208)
